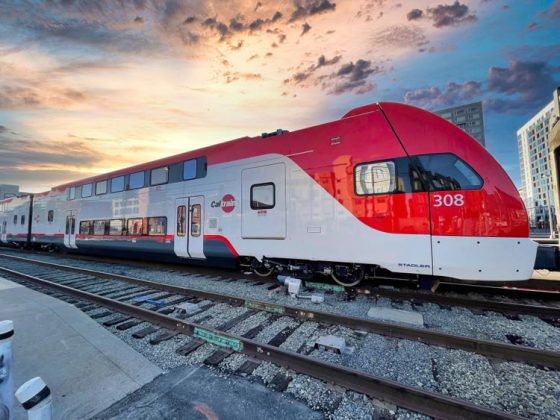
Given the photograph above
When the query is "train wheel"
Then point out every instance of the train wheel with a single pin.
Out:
(262, 271)
(347, 276)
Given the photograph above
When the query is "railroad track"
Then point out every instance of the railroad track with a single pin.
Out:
(401, 291)
(140, 300)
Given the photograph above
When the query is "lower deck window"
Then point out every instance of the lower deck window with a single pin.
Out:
(86, 227)
(157, 226)
(134, 227)
(99, 227)
(116, 227)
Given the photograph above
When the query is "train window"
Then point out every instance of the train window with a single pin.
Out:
(181, 220)
(50, 216)
(67, 231)
(86, 227)
(15, 219)
(100, 187)
(116, 227)
(159, 176)
(72, 225)
(375, 178)
(446, 171)
(189, 169)
(136, 180)
(157, 226)
(86, 190)
(117, 184)
(134, 227)
(72, 193)
(22, 219)
(263, 196)
(99, 227)
(196, 219)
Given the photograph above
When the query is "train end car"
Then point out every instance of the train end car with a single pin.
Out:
(15, 215)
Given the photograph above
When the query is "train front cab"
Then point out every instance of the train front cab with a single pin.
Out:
(479, 231)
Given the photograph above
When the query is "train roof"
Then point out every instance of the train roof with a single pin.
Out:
(210, 152)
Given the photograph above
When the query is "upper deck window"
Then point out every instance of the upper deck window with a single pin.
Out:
(189, 169)
(446, 171)
(375, 178)
(72, 193)
(86, 190)
(159, 176)
(136, 180)
(101, 187)
(117, 184)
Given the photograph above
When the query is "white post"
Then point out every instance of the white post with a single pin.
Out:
(35, 397)
(6, 376)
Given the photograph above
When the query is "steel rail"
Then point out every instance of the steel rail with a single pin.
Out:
(413, 398)
(484, 347)
(481, 304)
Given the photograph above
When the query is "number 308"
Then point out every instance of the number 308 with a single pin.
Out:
(449, 200)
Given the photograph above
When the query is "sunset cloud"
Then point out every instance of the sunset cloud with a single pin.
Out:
(127, 82)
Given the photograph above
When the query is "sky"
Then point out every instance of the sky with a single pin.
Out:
(90, 86)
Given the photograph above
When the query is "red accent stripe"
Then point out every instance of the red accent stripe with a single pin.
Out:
(128, 237)
(224, 240)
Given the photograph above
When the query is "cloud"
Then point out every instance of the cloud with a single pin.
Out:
(529, 82)
(444, 14)
(352, 77)
(139, 20)
(3, 129)
(414, 14)
(26, 98)
(20, 154)
(234, 76)
(306, 8)
(520, 87)
(433, 98)
(305, 28)
(322, 61)
(401, 36)
(554, 11)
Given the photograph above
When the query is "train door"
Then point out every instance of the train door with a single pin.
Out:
(70, 229)
(263, 202)
(189, 238)
(3, 233)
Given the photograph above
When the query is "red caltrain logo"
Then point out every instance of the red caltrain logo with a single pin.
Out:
(227, 203)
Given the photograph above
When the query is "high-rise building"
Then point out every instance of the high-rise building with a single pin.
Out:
(536, 169)
(468, 117)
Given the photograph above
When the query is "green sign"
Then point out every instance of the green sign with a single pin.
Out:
(218, 340)
(260, 306)
(325, 286)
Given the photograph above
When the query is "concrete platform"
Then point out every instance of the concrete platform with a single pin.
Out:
(86, 367)
(198, 393)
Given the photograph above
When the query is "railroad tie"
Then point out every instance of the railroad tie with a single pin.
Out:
(145, 331)
(188, 348)
(280, 382)
(233, 322)
(217, 357)
(101, 314)
(283, 335)
(164, 336)
(247, 368)
(116, 321)
(129, 324)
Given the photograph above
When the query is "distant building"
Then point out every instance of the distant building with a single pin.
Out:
(468, 117)
(536, 169)
(554, 146)
(7, 191)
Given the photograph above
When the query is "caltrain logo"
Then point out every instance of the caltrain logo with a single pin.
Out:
(227, 203)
